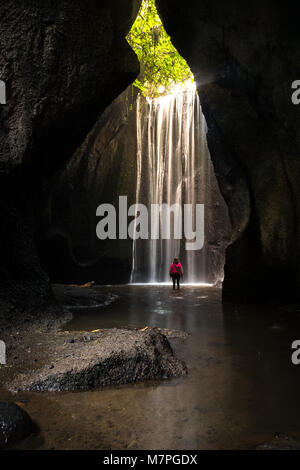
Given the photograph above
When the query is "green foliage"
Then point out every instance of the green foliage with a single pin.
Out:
(162, 67)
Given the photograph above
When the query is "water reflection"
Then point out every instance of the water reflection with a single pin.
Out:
(240, 390)
(155, 306)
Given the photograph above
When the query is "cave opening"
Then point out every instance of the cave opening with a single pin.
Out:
(174, 168)
(89, 360)
(150, 145)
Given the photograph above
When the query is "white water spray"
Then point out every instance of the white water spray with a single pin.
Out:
(173, 166)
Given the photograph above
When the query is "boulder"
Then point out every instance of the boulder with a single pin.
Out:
(244, 57)
(105, 358)
(62, 64)
(15, 424)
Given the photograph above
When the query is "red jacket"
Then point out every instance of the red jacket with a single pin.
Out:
(176, 269)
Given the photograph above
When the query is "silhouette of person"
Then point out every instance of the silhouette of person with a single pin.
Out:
(176, 272)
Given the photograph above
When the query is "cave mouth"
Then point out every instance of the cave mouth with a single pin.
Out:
(162, 69)
(174, 168)
(149, 145)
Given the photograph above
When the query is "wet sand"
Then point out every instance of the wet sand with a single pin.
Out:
(241, 388)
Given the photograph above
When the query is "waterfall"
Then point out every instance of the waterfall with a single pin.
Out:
(174, 166)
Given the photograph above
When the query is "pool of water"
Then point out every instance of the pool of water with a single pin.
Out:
(241, 387)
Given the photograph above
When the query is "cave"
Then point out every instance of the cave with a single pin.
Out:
(86, 124)
(155, 127)
(240, 110)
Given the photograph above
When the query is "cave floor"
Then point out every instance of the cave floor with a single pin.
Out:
(242, 388)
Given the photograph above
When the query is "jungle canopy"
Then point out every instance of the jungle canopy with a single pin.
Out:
(162, 67)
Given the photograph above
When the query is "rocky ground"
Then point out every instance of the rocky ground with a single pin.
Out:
(15, 424)
(101, 358)
(41, 356)
(280, 442)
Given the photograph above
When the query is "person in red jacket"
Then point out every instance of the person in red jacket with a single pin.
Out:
(176, 272)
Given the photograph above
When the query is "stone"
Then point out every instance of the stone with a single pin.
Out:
(111, 357)
(15, 424)
(244, 71)
(63, 64)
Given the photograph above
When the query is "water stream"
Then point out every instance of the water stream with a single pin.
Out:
(174, 168)
(241, 386)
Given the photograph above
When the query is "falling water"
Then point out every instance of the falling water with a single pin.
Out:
(173, 166)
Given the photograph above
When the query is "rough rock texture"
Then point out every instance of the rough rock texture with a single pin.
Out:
(280, 442)
(103, 168)
(105, 358)
(63, 62)
(21, 277)
(245, 56)
(81, 296)
(15, 424)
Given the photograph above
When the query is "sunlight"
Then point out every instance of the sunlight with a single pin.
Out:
(162, 67)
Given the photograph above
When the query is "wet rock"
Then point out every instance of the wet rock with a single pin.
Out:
(63, 64)
(15, 424)
(105, 165)
(280, 442)
(113, 357)
(74, 296)
(244, 71)
(174, 334)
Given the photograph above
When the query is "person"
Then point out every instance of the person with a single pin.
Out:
(176, 272)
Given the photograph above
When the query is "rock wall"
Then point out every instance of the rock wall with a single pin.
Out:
(101, 169)
(245, 56)
(63, 62)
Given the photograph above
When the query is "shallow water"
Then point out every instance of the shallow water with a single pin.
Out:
(241, 387)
